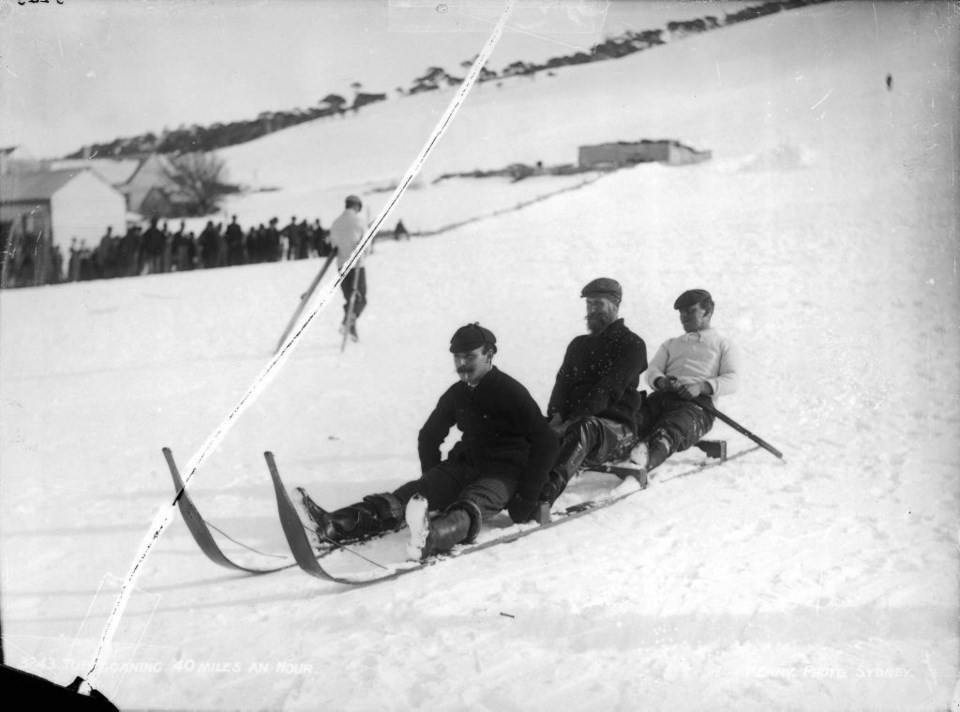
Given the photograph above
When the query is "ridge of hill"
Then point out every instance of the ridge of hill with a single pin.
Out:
(220, 135)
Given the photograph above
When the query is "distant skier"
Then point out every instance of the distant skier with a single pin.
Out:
(345, 234)
(686, 370)
(400, 231)
(594, 401)
(502, 459)
(889, 82)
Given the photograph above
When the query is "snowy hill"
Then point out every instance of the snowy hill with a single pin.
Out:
(826, 229)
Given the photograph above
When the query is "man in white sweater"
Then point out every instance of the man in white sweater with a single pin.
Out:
(686, 371)
(345, 234)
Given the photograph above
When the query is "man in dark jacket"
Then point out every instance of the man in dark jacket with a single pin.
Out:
(234, 240)
(594, 404)
(502, 460)
(209, 244)
(152, 247)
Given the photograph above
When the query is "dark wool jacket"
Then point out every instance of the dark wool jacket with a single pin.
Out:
(599, 376)
(504, 431)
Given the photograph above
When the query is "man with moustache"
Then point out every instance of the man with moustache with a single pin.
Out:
(687, 371)
(501, 461)
(595, 400)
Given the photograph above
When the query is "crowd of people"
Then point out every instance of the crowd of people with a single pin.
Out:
(33, 260)
(158, 248)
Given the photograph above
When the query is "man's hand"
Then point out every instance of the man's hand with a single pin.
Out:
(521, 509)
(693, 390)
(687, 391)
(558, 425)
(667, 384)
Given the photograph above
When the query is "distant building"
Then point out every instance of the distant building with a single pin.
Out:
(16, 158)
(164, 203)
(624, 153)
(136, 178)
(47, 209)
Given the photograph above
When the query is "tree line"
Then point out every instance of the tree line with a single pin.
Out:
(196, 138)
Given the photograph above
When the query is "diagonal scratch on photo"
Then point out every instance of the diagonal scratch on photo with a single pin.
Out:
(480, 354)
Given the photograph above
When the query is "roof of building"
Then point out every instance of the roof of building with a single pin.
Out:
(27, 187)
(116, 171)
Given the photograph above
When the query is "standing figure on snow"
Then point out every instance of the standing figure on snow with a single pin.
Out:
(594, 402)
(291, 237)
(152, 248)
(345, 234)
(687, 370)
(209, 246)
(234, 240)
(501, 461)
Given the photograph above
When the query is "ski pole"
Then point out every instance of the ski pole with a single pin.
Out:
(740, 429)
(304, 298)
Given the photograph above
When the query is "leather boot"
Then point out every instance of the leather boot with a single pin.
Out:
(446, 531)
(375, 514)
(660, 447)
(459, 523)
(573, 451)
(323, 520)
(553, 488)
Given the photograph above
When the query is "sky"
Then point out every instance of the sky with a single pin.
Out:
(92, 70)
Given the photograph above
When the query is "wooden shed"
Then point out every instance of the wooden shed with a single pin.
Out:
(51, 208)
(136, 178)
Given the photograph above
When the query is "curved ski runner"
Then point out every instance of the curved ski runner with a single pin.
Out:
(309, 561)
(199, 529)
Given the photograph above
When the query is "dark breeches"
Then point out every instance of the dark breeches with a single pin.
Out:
(682, 422)
(347, 286)
(453, 483)
(591, 441)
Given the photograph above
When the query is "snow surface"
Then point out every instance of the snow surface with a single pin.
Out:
(826, 228)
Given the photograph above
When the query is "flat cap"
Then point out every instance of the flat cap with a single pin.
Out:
(691, 297)
(470, 337)
(603, 287)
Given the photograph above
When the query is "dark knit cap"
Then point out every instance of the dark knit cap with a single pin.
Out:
(470, 337)
(354, 200)
(691, 297)
(604, 287)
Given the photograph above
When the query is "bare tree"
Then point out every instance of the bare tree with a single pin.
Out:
(201, 180)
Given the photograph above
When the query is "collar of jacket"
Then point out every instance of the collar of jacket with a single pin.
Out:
(493, 370)
(610, 328)
(697, 335)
